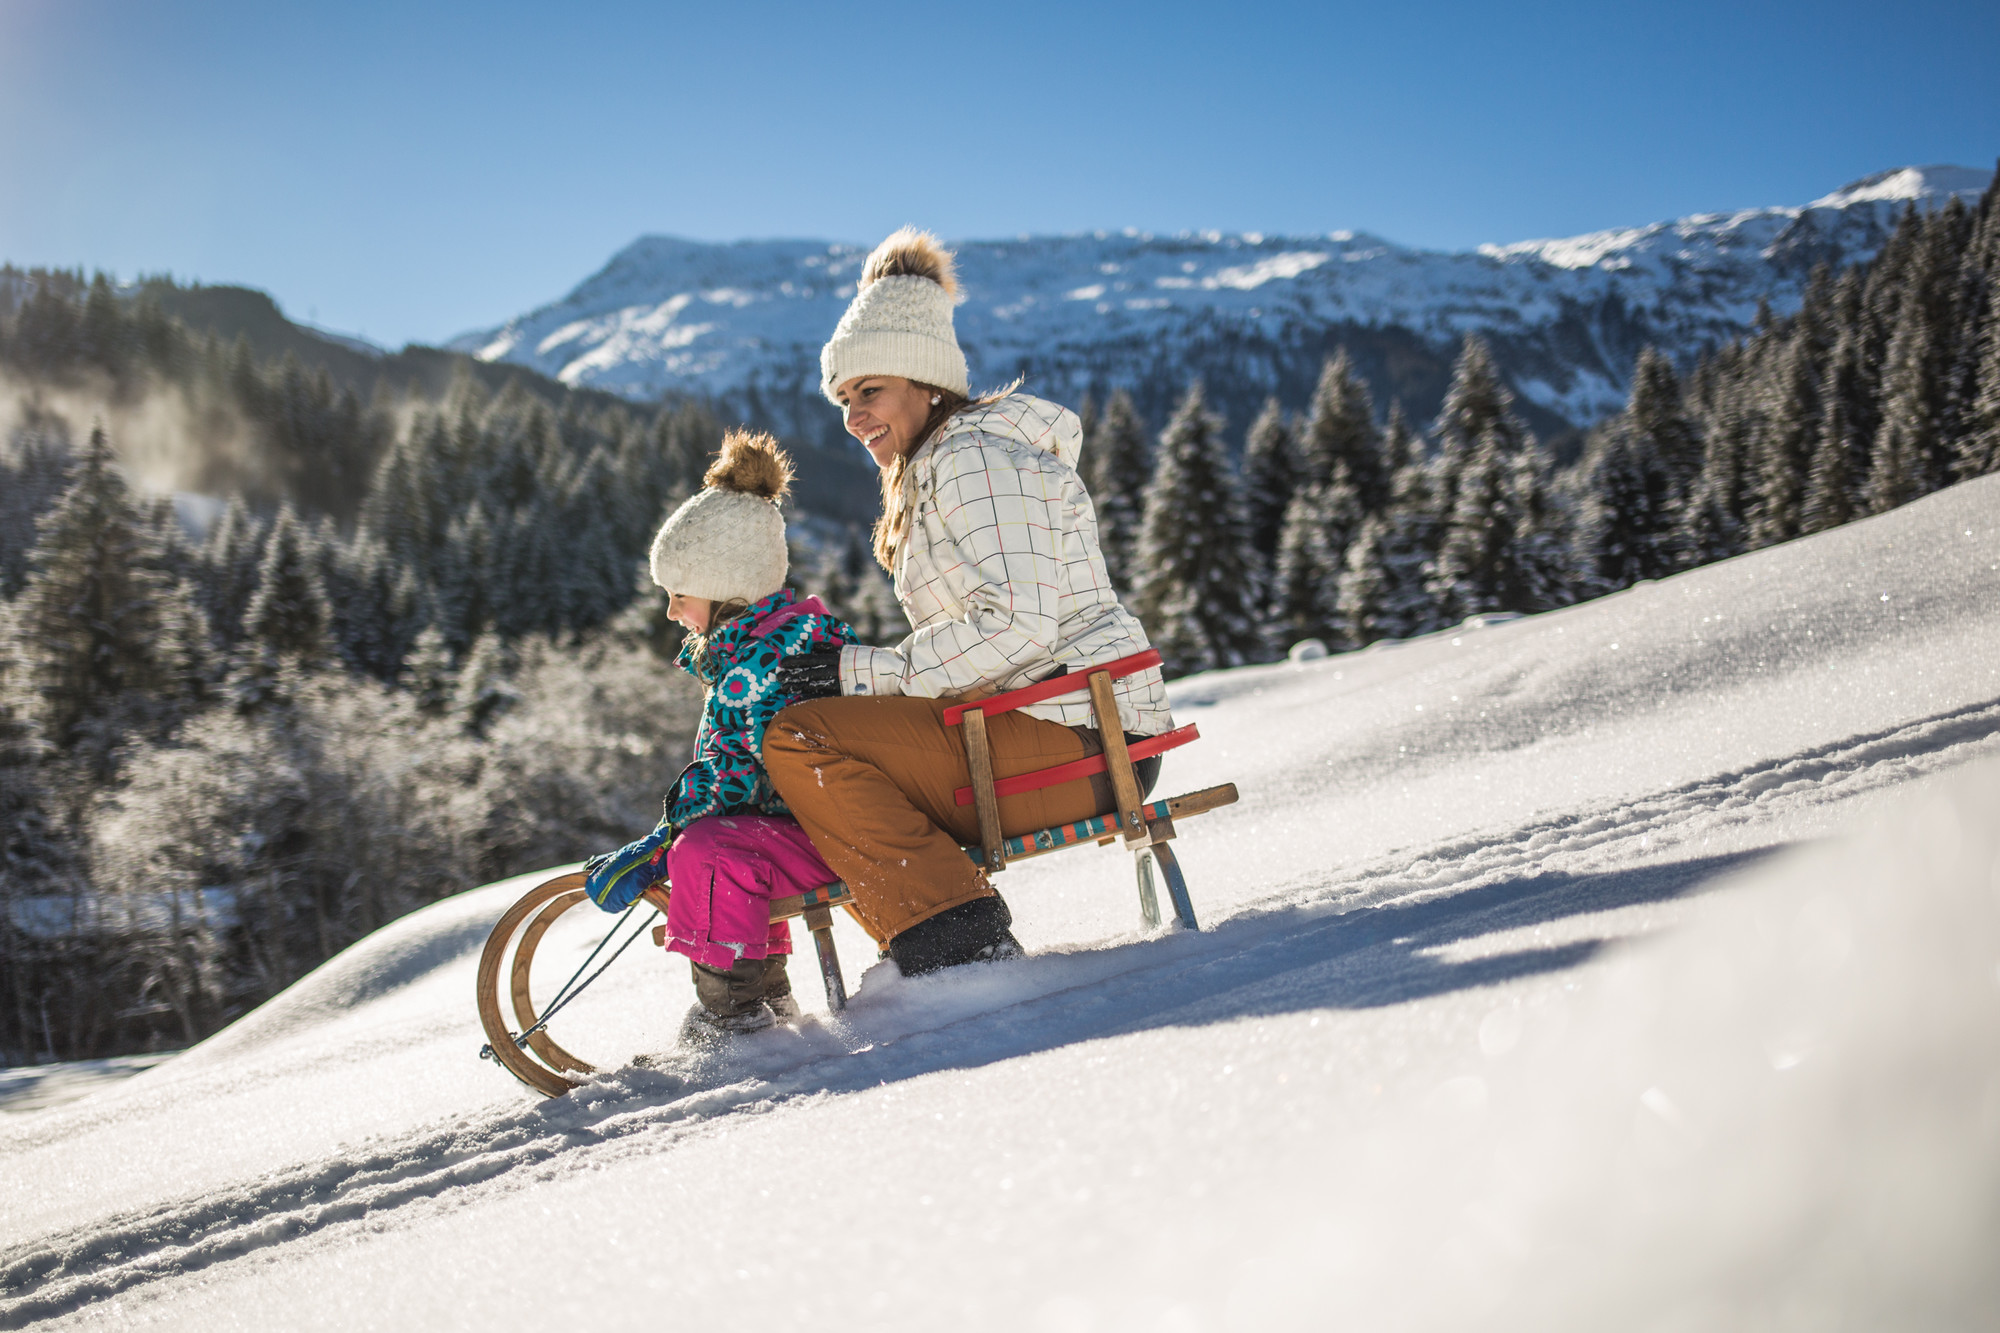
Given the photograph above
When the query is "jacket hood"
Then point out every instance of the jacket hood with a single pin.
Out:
(1035, 422)
(727, 643)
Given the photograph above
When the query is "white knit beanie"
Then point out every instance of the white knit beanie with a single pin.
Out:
(899, 322)
(728, 543)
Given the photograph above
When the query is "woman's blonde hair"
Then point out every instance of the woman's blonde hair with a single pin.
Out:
(898, 487)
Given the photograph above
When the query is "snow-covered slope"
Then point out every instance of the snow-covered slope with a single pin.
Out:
(1519, 1005)
(1252, 313)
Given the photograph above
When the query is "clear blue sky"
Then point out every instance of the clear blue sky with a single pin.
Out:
(409, 170)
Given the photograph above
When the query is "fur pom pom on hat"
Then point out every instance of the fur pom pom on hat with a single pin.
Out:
(728, 543)
(899, 322)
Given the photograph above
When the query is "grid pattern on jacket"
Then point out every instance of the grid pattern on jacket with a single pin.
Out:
(1001, 574)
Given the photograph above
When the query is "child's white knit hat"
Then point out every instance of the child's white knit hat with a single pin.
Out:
(728, 542)
(899, 322)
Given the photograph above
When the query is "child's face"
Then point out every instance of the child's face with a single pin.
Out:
(690, 613)
(885, 412)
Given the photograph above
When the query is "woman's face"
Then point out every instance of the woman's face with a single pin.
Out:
(690, 613)
(886, 413)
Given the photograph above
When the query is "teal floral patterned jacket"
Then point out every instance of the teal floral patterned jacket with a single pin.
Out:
(740, 671)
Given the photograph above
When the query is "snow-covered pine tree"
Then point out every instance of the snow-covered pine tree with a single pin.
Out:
(1363, 602)
(1542, 556)
(1409, 554)
(482, 692)
(1270, 475)
(34, 472)
(463, 594)
(89, 617)
(376, 630)
(1493, 545)
(1978, 451)
(37, 858)
(1198, 580)
(598, 567)
(1919, 406)
(643, 478)
(289, 615)
(1305, 583)
(288, 626)
(1902, 466)
(686, 439)
(231, 557)
(1830, 474)
(1637, 473)
(106, 339)
(1658, 425)
(1712, 524)
(1505, 548)
(1339, 431)
(32, 851)
(419, 488)
(428, 673)
(1973, 396)
(1838, 468)
(545, 559)
(1959, 308)
(530, 457)
(1475, 406)
(340, 580)
(1629, 520)
(1788, 418)
(1400, 445)
(1116, 466)
(1471, 568)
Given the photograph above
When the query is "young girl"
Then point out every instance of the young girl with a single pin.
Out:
(726, 842)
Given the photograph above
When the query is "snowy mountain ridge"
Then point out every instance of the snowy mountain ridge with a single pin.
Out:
(744, 321)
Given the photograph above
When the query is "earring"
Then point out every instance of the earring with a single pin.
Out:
(936, 398)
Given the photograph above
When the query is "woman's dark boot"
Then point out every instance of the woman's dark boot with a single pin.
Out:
(972, 932)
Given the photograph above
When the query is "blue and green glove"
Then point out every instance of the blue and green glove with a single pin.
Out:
(615, 879)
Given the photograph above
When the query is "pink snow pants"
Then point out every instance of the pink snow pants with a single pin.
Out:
(725, 869)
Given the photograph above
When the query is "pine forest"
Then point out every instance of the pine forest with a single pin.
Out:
(412, 648)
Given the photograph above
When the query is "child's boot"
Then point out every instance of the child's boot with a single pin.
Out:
(743, 998)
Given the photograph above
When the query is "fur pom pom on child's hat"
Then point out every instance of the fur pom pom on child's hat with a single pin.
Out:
(899, 322)
(728, 542)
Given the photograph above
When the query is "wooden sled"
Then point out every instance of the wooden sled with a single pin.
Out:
(534, 1057)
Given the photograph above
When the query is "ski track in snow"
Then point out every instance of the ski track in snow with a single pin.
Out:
(1376, 934)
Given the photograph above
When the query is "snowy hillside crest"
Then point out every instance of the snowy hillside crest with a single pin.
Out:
(1087, 313)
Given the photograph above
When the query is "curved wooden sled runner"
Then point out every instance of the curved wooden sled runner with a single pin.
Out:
(1147, 828)
(543, 1065)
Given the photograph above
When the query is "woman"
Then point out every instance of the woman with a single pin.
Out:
(992, 542)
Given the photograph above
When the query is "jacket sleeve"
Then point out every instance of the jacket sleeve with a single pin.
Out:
(722, 778)
(992, 522)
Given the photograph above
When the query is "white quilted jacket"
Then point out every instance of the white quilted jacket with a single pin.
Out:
(1001, 575)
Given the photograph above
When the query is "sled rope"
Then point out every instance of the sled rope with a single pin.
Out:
(571, 989)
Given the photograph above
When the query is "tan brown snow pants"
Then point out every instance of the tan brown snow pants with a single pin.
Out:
(871, 780)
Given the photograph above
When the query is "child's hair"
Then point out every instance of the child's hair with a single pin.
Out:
(721, 614)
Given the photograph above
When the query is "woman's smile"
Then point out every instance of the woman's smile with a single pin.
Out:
(886, 413)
